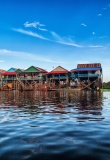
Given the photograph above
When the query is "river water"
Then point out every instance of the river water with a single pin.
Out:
(54, 125)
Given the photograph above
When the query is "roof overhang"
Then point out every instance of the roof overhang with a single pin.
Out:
(58, 72)
(9, 73)
(85, 69)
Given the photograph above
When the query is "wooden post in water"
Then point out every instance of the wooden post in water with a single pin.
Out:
(1, 83)
(15, 85)
(102, 79)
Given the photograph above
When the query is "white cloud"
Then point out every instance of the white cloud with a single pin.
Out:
(99, 14)
(83, 24)
(42, 29)
(63, 40)
(27, 56)
(30, 33)
(33, 24)
(69, 44)
(55, 37)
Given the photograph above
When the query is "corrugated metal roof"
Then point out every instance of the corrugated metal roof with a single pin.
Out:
(12, 69)
(42, 70)
(35, 69)
(59, 69)
(86, 69)
(32, 69)
(9, 73)
(20, 70)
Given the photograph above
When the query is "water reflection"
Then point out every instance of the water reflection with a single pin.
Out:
(54, 125)
(80, 103)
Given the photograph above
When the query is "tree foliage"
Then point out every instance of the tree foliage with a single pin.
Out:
(106, 84)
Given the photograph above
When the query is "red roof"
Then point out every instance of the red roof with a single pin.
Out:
(90, 65)
(9, 73)
(42, 70)
(58, 72)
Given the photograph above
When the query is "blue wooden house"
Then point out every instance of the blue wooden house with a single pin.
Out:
(87, 75)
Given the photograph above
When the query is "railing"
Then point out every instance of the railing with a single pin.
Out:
(88, 75)
(31, 78)
(74, 76)
(22, 78)
(60, 77)
(85, 75)
(9, 78)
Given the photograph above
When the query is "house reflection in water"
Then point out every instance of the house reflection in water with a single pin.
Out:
(83, 105)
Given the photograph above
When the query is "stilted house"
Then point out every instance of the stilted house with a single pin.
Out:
(87, 76)
(23, 79)
(1, 71)
(33, 77)
(8, 79)
(33, 73)
(58, 77)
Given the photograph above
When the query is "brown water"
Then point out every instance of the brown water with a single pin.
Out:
(54, 125)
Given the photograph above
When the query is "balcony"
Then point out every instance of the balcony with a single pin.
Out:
(74, 76)
(88, 75)
(84, 75)
(22, 78)
(31, 78)
(59, 77)
(9, 78)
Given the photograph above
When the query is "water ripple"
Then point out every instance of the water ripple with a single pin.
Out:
(54, 125)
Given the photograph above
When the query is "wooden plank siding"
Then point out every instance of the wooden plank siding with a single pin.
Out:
(85, 76)
(23, 79)
(58, 77)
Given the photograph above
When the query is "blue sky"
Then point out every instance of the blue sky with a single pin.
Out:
(48, 33)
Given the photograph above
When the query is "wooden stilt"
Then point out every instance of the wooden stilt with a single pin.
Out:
(88, 85)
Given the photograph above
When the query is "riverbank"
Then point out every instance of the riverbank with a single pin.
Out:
(105, 89)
